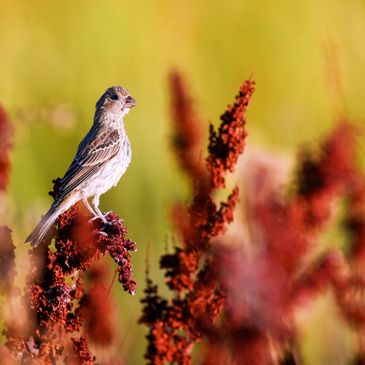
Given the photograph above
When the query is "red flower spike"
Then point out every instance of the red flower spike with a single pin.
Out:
(198, 298)
(187, 138)
(226, 145)
(6, 134)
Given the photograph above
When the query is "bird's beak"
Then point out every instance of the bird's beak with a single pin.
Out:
(130, 102)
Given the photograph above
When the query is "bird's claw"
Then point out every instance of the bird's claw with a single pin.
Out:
(99, 217)
(105, 221)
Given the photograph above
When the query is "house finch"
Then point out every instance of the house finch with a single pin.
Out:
(101, 159)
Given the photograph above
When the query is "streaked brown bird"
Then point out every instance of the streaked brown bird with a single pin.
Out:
(101, 159)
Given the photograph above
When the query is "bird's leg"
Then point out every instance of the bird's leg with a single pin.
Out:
(95, 204)
(88, 206)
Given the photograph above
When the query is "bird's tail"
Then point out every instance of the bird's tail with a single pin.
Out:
(48, 219)
(42, 227)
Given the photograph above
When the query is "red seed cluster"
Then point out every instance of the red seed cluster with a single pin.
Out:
(82, 353)
(60, 306)
(227, 144)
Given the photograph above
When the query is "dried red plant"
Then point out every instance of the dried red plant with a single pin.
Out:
(175, 325)
(61, 310)
(259, 285)
(7, 261)
(187, 131)
(6, 133)
(227, 144)
(265, 284)
(7, 255)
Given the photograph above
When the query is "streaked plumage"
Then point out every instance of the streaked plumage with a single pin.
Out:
(101, 159)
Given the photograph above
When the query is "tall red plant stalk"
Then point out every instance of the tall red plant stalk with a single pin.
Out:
(7, 248)
(242, 301)
(175, 325)
(6, 143)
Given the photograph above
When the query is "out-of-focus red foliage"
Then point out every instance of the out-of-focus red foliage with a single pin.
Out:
(99, 305)
(259, 284)
(265, 284)
(355, 220)
(56, 297)
(175, 325)
(322, 177)
(7, 260)
(6, 133)
(7, 255)
(5, 356)
(188, 132)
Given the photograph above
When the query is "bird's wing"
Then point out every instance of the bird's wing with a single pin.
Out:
(97, 148)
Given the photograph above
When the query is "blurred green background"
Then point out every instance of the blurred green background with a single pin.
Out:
(57, 57)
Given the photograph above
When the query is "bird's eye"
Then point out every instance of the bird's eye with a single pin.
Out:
(114, 97)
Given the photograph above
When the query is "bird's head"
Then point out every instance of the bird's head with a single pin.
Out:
(116, 100)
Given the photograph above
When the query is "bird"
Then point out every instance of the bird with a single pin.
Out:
(101, 159)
